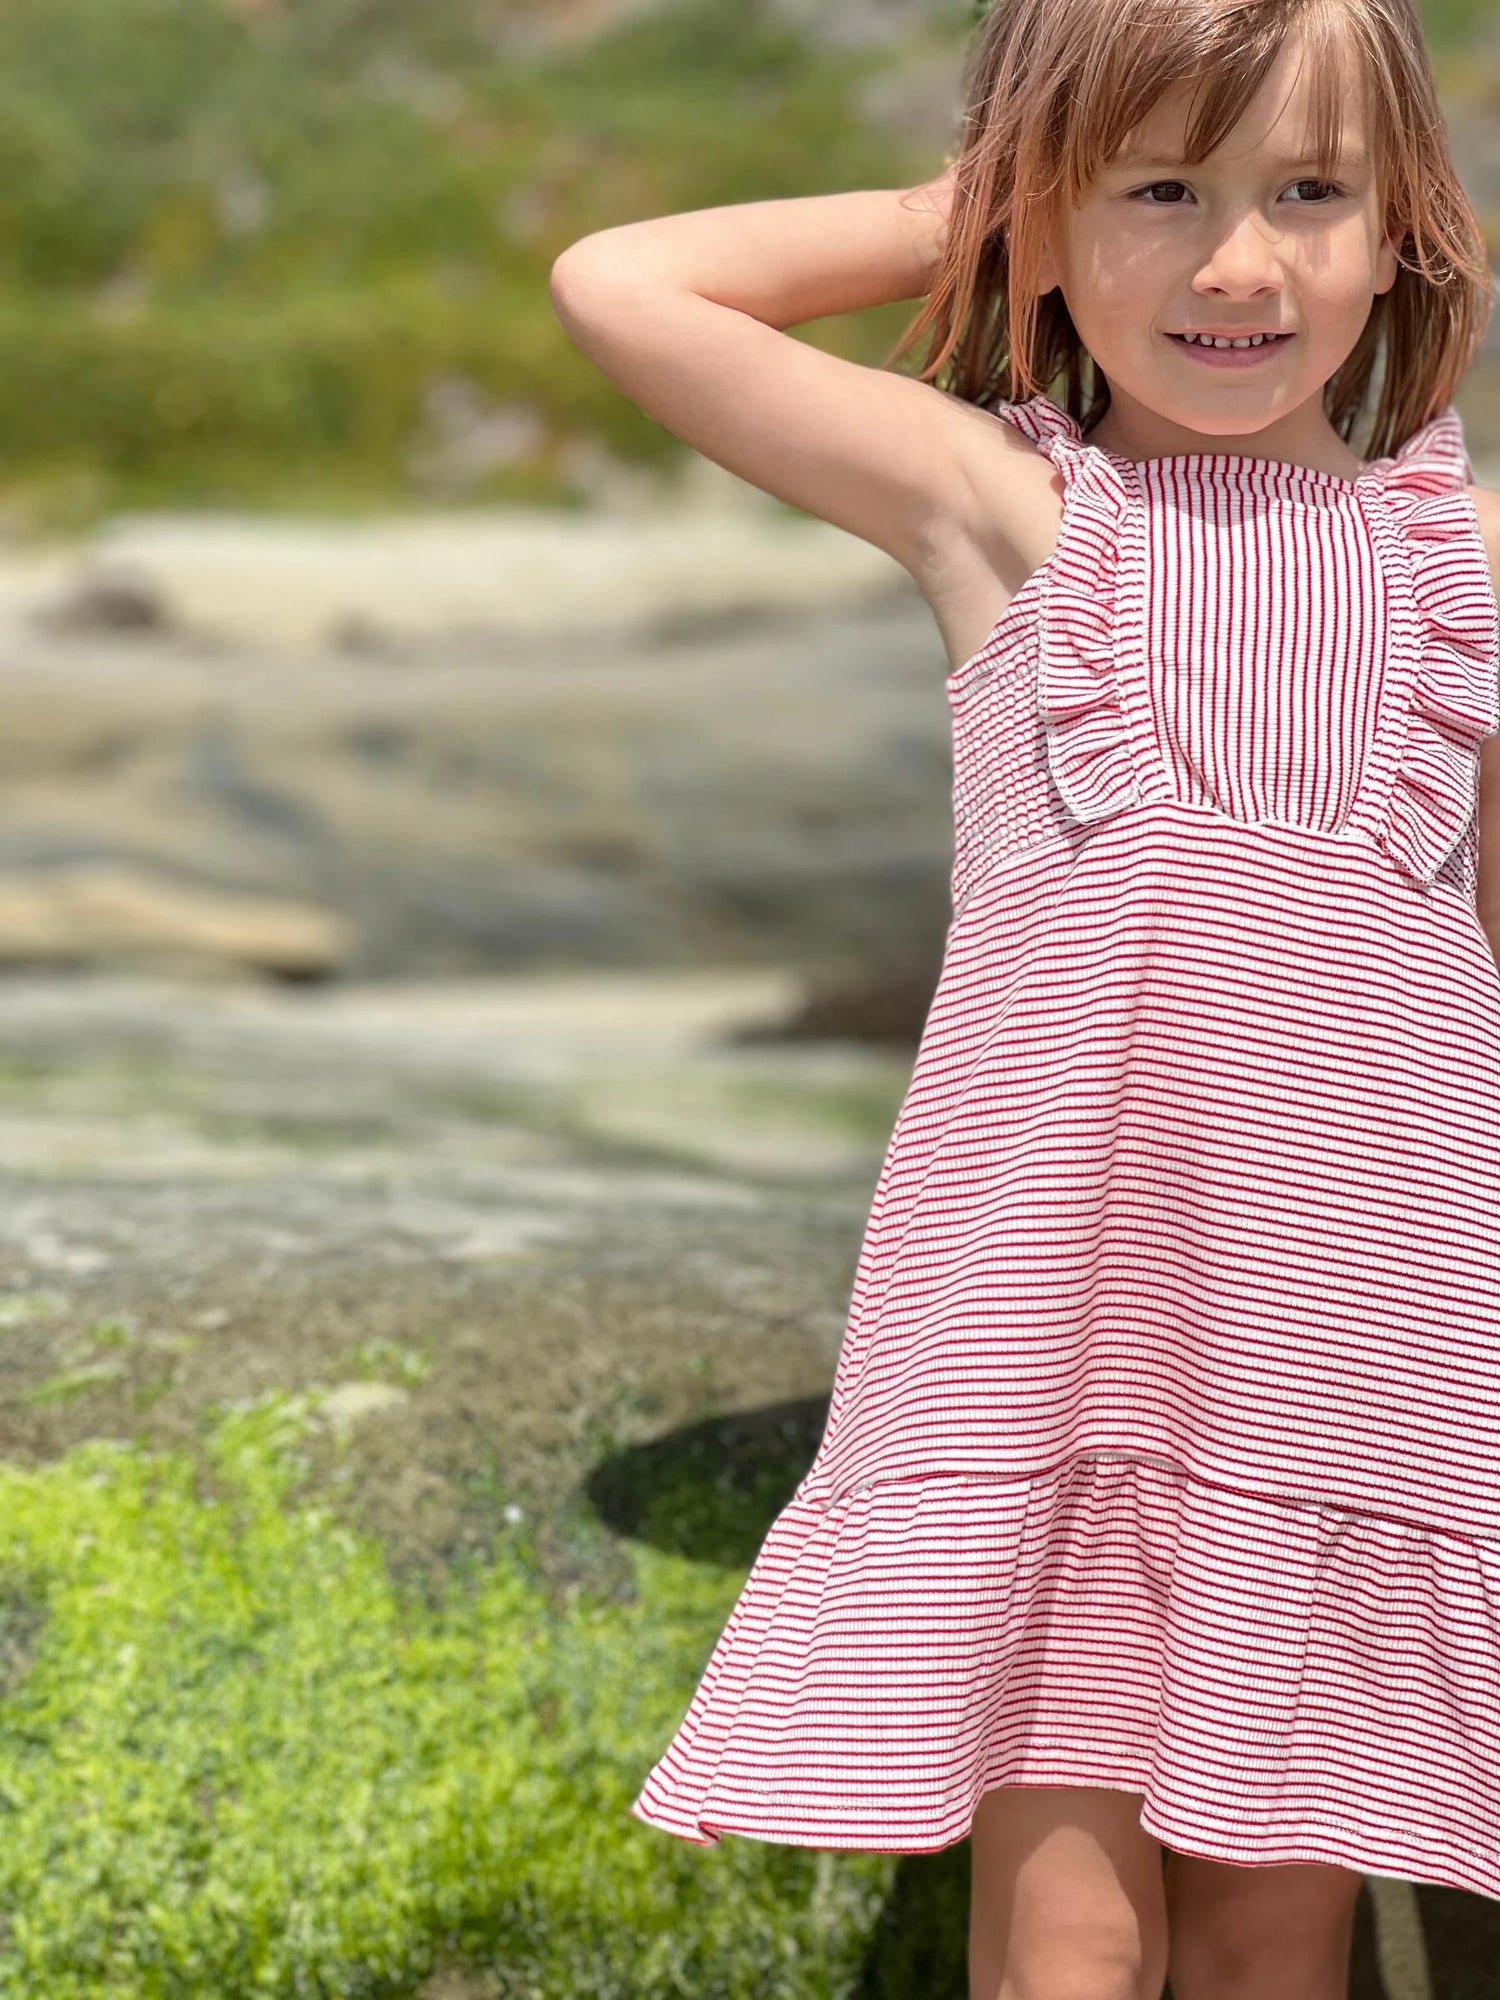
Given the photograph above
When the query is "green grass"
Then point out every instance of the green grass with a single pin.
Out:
(234, 1759)
(1449, 24)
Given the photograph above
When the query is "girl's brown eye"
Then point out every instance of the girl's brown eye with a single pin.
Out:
(1156, 185)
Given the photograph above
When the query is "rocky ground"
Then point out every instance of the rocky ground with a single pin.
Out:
(685, 728)
(441, 914)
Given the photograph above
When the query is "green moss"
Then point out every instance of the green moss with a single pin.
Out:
(111, 1333)
(238, 1760)
(390, 1361)
(71, 1383)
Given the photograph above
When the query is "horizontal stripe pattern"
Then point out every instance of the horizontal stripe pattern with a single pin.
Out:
(1164, 1443)
(1218, 1182)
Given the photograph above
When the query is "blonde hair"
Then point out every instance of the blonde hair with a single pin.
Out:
(1054, 86)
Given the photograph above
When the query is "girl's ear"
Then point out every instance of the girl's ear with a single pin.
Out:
(1387, 267)
(1048, 276)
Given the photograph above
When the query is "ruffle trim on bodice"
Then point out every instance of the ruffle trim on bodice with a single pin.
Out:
(1423, 803)
(1086, 729)
(1453, 694)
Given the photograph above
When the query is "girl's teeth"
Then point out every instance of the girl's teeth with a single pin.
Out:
(1221, 340)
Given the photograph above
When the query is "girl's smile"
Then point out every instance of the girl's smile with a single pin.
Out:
(1215, 348)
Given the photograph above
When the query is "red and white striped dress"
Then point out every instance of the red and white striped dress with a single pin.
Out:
(1164, 1447)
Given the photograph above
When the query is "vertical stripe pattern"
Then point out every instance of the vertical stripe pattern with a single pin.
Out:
(1164, 1445)
(1264, 699)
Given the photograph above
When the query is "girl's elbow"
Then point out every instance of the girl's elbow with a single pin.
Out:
(591, 283)
(605, 258)
(568, 272)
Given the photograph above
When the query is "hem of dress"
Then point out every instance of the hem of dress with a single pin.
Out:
(1374, 1854)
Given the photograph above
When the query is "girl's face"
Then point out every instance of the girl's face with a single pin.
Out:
(1249, 241)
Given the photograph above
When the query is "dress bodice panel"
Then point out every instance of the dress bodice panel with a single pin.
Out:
(1263, 698)
(1247, 637)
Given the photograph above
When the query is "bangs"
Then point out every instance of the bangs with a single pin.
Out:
(1224, 55)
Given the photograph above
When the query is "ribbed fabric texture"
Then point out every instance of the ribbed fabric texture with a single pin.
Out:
(1164, 1447)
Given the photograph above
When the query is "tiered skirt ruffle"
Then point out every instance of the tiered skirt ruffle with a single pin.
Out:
(1281, 1680)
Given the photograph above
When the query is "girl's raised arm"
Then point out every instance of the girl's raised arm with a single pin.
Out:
(687, 314)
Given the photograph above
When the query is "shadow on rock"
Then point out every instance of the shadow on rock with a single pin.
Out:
(710, 1490)
(1462, 1938)
(887, 1003)
(920, 1944)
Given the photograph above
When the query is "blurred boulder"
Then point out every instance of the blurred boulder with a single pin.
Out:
(108, 914)
(105, 600)
(750, 768)
(883, 1001)
(290, 586)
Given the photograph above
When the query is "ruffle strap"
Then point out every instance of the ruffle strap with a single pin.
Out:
(1453, 692)
(1088, 744)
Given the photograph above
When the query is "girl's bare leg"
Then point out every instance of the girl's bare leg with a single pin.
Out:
(1281, 1932)
(1067, 1898)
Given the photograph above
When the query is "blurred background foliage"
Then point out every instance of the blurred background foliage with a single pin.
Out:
(243, 247)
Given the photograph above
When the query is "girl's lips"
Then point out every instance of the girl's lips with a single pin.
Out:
(1230, 357)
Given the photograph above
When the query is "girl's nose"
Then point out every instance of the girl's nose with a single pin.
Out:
(1244, 262)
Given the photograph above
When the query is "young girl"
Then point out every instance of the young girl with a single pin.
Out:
(1154, 1536)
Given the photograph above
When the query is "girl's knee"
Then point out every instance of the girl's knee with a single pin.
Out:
(1067, 1900)
(1249, 1933)
(1082, 1969)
